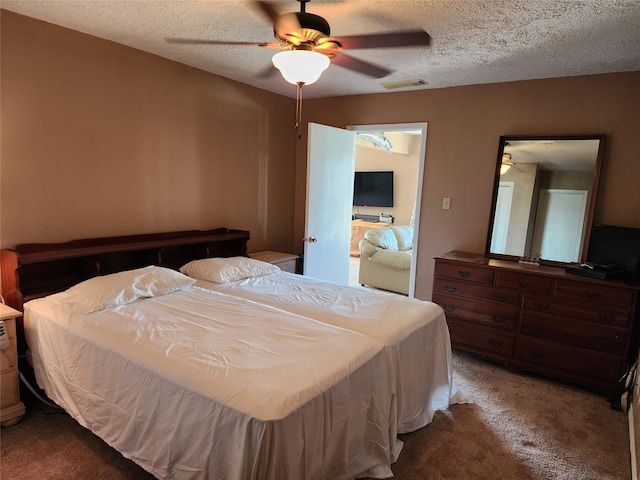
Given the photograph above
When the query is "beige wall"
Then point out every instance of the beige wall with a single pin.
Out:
(99, 139)
(465, 124)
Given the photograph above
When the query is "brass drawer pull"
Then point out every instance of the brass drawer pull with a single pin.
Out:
(498, 319)
(539, 328)
(604, 316)
(450, 288)
(597, 367)
(592, 295)
(449, 308)
(542, 305)
(495, 342)
(536, 353)
(463, 274)
(500, 298)
(523, 283)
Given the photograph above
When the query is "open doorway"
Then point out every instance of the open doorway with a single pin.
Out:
(405, 158)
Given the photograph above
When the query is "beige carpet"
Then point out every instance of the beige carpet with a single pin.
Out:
(520, 427)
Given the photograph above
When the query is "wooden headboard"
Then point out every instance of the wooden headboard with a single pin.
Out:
(35, 270)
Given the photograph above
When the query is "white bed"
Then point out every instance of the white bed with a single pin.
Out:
(195, 384)
(414, 333)
(129, 370)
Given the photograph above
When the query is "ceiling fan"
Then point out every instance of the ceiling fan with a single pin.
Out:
(308, 48)
(308, 35)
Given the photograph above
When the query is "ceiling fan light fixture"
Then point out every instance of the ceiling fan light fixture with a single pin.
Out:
(301, 66)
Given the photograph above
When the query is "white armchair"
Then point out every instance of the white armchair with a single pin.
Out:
(385, 258)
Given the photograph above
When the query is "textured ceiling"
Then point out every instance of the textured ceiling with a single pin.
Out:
(474, 41)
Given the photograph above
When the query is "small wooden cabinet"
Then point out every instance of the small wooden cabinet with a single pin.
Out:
(11, 408)
(285, 261)
(538, 318)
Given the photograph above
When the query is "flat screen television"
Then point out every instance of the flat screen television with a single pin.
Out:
(373, 189)
(617, 247)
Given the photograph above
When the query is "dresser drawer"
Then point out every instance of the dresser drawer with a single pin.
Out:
(465, 289)
(567, 359)
(465, 272)
(9, 389)
(492, 315)
(483, 338)
(287, 266)
(8, 357)
(589, 292)
(603, 338)
(10, 327)
(581, 311)
(524, 282)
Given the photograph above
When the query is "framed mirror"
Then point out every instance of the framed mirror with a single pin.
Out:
(544, 198)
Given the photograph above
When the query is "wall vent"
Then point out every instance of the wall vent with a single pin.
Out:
(404, 84)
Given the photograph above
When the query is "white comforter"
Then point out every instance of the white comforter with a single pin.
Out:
(198, 384)
(414, 333)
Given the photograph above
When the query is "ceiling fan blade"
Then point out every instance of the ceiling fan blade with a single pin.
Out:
(360, 66)
(199, 41)
(267, 9)
(282, 23)
(405, 38)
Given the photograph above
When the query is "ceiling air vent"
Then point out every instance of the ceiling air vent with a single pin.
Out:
(404, 84)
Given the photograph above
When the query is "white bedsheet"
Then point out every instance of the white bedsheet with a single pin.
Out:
(198, 384)
(414, 333)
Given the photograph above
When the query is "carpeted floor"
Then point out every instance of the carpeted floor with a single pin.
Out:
(520, 427)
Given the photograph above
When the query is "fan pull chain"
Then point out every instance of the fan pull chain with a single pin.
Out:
(299, 109)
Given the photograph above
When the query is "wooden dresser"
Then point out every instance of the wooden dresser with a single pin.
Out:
(539, 318)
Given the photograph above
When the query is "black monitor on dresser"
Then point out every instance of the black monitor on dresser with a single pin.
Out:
(616, 246)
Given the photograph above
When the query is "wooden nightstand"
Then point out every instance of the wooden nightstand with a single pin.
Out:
(285, 261)
(11, 408)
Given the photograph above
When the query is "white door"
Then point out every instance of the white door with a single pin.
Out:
(330, 172)
(559, 223)
(501, 219)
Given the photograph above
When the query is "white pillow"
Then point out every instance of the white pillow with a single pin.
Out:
(117, 289)
(223, 270)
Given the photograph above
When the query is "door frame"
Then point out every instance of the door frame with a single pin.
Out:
(403, 127)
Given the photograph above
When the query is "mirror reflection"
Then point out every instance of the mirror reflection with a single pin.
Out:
(544, 198)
